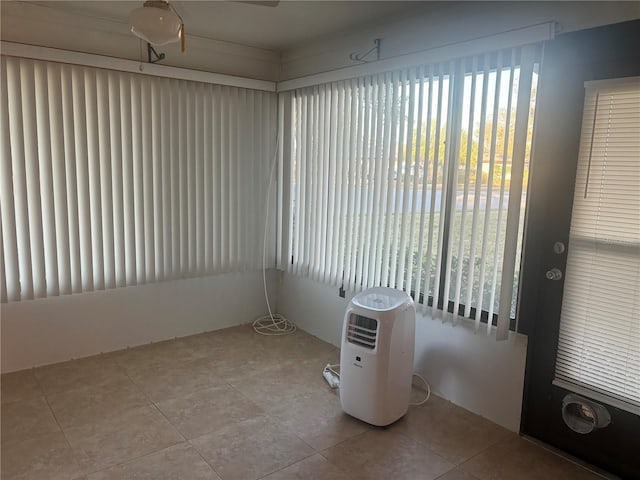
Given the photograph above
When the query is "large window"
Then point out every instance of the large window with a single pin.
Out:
(416, 179)
(112, 179)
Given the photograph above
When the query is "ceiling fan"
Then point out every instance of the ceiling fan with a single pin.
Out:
(158, 23)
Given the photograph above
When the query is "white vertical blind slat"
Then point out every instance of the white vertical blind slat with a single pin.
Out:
(32, 167)
(453, 141)
(209, 205)
(183, 179)
(10, 252)
(374, 256)
(156, 183)
(467, 177)
(93, 180)
(515, 193)
(190, 177)
(397, 212)
(505, 154)
(319, 233)
(343, 131)
(216, 175)
(224, 179)
(199, 177)
(67, 121)
(447, 203)
(489, 198)
(334, 210)
(235, 139)
(252, 187)
(440, 123)
(423, 232)
(20, 196)
(385, 175)
(327, 203)
(126, 138)
(82, 175)
(316, 196)
(361, 168)
(61, 221)
(166, 207)
(117, 176)
(350, 142)
(105, 158)
(306, 182)
(371, 187)
(477, 191)
(407, 211)
(137, 190)
(416, 174)
(294, 243)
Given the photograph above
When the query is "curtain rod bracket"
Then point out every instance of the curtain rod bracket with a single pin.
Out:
(361, 57)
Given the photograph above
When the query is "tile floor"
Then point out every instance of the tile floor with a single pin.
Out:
(234, 405)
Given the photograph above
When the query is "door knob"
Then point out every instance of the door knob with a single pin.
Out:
(554, 274)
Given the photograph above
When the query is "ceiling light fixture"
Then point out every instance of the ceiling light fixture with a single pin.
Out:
(157, 23)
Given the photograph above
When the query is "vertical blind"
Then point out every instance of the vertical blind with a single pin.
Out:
(599, 345)
(415, 179)
(112, 179)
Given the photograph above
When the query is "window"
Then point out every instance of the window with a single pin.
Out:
(112, 179)
(416, 179)
(599, 345)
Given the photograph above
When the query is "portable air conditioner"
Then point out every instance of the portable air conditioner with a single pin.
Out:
(376, 360)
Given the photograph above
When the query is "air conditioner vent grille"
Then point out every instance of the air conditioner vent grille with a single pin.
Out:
(362, 331)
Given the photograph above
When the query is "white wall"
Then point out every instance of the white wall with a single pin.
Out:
(472, 370)
(50, 330)
(430, 26)
(48, 27)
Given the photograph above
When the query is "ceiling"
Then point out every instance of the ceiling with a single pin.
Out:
(285, 26)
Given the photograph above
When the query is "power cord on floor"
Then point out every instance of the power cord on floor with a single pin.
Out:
(332, 376)
(428, 390)
(274, 323)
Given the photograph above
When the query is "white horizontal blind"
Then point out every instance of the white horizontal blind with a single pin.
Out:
(403, 179)
(112, 179)
(599, 346)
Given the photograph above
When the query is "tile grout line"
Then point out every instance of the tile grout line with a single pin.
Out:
(186, 440)
(73, 451)
(90, 472)
(428, 448)
(457, 463)
(569, 458)
(147, 453)
(484, 449)
(287, 466)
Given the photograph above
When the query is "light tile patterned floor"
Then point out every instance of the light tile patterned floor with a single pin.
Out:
(234, 405)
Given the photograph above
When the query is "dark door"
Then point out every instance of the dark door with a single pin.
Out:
(569, 60)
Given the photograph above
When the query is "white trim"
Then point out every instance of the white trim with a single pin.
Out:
(56, 329)
(611, 83)
(511, 38)
(600, 397)
(112, 63)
